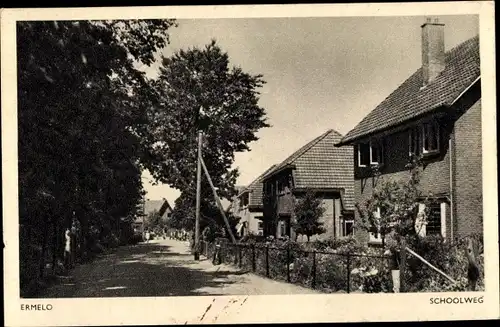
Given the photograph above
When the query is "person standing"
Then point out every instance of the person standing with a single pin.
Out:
(67, 248)
(147, 236)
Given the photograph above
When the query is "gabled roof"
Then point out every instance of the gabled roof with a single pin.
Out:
(410, 100)
(321, 165)
(152, 205)
(256, 188)
(164, 208)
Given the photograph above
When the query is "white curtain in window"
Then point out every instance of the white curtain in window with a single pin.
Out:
(420, 221)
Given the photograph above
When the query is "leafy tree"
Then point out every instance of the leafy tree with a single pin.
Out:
(308, 212)
(393, 207)
(198, 90)
(154, 221)
(183, 215)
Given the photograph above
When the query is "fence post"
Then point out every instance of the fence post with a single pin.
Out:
(253, 257)
(402, 266)
(288, 263)
(314, 270)
(235, 252)
(239, 256)
(267, 260)
(348, 273)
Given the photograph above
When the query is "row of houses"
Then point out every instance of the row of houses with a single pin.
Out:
(435, 113)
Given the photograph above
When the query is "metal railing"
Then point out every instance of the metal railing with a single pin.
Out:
(322, 270)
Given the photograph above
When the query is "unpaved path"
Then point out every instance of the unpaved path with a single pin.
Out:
(162, 268)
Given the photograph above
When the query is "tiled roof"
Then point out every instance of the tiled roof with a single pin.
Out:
(152, 205)
(410, 100)
(164, 208)
(256, 188)
(321, 165)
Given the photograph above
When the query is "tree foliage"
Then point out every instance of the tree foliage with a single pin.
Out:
(308, 212)
(183, 215)
(81, 111)
(199, 90)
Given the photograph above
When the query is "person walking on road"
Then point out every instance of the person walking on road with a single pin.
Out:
(147, 236)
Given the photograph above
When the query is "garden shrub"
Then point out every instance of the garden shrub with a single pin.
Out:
(331, 272)
(451, 258)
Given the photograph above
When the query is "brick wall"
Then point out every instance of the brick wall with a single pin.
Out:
(465, 130)
(329, 203)
(468, 172)
(435, 176)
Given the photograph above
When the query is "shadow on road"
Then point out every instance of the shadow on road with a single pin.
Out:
(141, 270)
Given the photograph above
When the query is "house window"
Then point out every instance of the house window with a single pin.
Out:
(376, 152)
(414, 142)
(281, 187)
(424, 139)
(363, 154)
(370, 153)
(430, 137)
(436, 219)
(244, 200)
(347, 226)
(282, 228)
(375, 237)
(260, 227)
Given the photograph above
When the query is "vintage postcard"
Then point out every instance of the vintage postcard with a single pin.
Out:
(249, 164)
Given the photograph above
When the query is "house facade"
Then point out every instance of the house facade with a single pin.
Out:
(248, 206)
(434, 115)
(165, 211)
(320, 167)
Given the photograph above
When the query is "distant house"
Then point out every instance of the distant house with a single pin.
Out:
(149, 206)
(318, 166)
(436, 114)
(165, 211)
(248, 206)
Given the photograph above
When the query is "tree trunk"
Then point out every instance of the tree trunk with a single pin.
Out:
(473, 267)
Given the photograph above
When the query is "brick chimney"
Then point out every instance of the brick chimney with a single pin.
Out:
(433, 61)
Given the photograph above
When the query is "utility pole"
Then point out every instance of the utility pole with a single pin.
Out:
(217, 200)
(198, 200)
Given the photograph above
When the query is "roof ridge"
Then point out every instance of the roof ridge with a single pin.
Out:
(302, 150)
(449, 55)
(257, 179)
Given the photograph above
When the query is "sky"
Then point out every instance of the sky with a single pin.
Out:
(321, 73)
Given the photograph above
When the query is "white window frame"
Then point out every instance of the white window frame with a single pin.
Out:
(425, 135)
(379, 143)
(359, 153)
(344, 227)
(371, 145)
(376, 237)
(442, 212)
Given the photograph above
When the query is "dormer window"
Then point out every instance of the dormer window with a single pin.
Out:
(430, 137)
(370, 153)
(244, 199)
(424, 139)
(376, 152)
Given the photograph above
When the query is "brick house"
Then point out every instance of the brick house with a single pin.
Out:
(248, 206)
(434, 114)
(318, 166)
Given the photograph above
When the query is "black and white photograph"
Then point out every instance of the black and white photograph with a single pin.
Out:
(230, 157)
